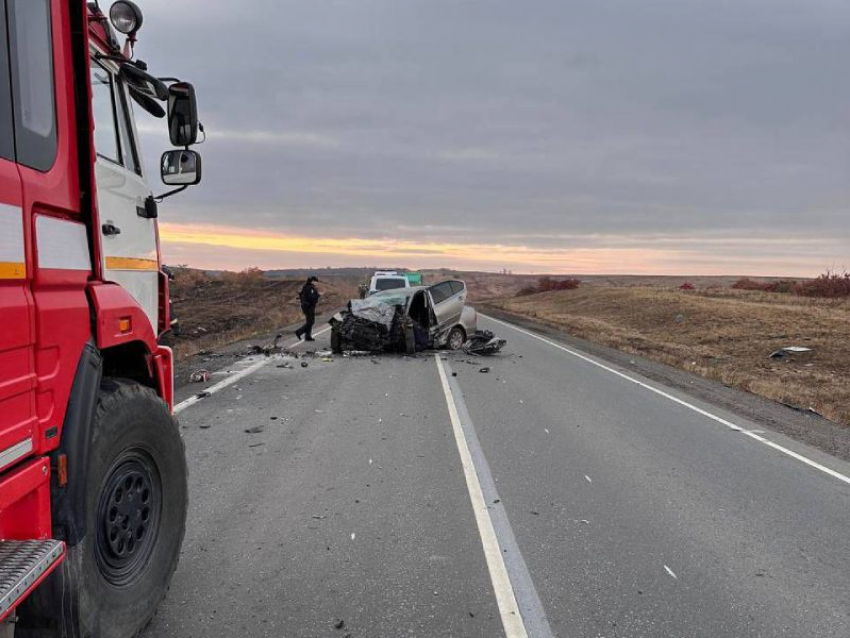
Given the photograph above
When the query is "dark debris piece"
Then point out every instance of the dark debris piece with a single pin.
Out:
(483, 342)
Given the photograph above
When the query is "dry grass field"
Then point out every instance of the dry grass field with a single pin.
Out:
(716, 332)
(215, 310)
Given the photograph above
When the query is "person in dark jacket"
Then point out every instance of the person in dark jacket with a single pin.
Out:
(309, 297)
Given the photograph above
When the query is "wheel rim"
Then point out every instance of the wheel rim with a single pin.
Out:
(455, 339)
(128, 517)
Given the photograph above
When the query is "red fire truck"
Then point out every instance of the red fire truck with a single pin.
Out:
(93, 485)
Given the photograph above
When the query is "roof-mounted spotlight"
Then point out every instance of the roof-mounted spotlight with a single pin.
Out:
(126, 17)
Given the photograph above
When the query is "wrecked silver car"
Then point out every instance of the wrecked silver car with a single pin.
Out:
(406, 320)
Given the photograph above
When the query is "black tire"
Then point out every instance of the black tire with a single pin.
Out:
(336, 341)
(116, 576)
(456, 338)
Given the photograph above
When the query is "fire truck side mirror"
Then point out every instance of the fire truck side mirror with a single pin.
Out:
(180, 168)
(182, 114)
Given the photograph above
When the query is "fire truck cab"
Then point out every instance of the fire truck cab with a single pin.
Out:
(93, 488)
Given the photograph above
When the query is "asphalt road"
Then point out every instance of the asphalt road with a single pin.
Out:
(555, 495)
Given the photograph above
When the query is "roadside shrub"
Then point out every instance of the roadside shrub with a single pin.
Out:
(249, 275)
(745, 283)
(547, 284)
(527, 290)
(783, 285)
(687, 286)
(187, 278)
(831, 285)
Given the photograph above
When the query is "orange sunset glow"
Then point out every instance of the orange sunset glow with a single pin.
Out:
(212, 246)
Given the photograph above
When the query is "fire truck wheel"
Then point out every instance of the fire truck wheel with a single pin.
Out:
(136, 512)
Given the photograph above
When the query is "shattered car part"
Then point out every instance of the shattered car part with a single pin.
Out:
(359, 331)
(199, 376)
(789, 350)
(484, 342)
(373, 310)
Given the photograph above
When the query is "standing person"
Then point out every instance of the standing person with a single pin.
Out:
(309, 297)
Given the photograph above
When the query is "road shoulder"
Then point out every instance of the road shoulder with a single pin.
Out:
(808, 428)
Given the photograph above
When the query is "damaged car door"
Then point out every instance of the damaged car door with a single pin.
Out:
(448, 299)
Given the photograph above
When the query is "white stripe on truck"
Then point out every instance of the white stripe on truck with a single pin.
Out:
(12, 260)
(61, 244)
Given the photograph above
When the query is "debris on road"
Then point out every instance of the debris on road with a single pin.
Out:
(199, 376)
(485, 370)
(483, 342)
(202, 395)
(339, 624)
(304, 364)
(255, 430)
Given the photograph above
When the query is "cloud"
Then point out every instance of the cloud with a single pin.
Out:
(439, 121)
(296, 139)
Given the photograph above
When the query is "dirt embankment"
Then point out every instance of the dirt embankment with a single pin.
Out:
(215, 310)
(718, 333)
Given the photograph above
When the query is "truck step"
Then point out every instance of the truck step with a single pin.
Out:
(22, 564)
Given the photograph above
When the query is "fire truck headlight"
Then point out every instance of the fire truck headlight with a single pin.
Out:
(125, 16)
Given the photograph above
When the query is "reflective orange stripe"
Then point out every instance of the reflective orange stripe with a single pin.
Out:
(12, 270)
(131, 263)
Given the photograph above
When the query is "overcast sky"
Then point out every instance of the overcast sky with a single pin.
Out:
(642, 136)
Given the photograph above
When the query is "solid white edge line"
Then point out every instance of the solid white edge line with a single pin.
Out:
(690, 406)
(233, 378)
(502, 587)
